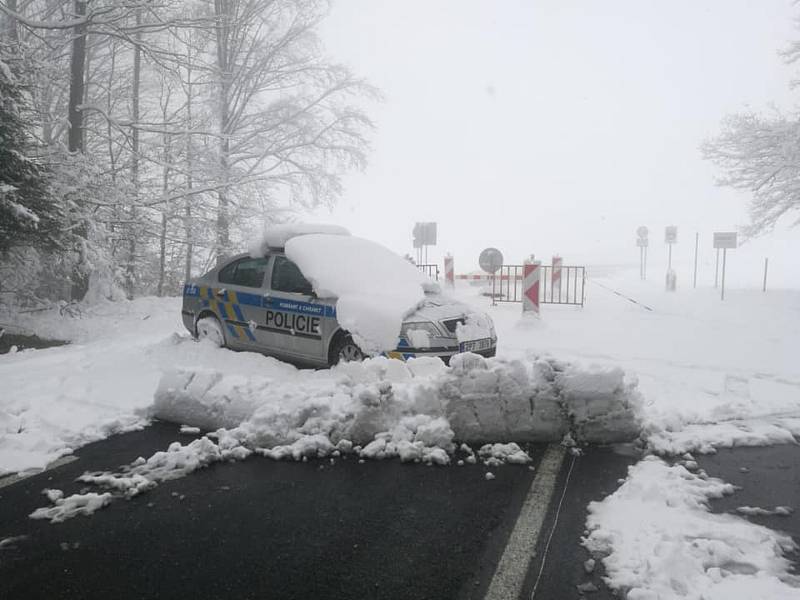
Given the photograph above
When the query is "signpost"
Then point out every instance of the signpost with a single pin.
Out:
(670, 238)
(490, 260)
(642, 242)
(424, 236)
(723, 240)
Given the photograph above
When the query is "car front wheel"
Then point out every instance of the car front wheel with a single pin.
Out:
(346, 350)
(209, 328)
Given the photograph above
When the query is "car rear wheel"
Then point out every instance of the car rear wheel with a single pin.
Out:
(209, 328)
(346, 350)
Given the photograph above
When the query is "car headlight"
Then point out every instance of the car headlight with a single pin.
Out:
(425, 326)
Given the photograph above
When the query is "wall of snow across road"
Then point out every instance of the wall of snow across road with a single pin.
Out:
(421, 402)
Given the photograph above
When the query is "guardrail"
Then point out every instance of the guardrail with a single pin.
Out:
(568, 288)
(431, 271)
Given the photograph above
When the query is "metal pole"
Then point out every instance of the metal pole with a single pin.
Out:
(669, 261)
(724, 255)
(766, 264)
(641, 262)
(716, 271)
(696, 246)
(645, 262)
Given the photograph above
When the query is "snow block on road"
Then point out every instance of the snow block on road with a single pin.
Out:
(475, 400)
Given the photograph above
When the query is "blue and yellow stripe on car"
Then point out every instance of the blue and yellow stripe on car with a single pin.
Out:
(227, 308)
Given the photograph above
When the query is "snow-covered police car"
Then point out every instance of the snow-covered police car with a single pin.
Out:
(262, 301)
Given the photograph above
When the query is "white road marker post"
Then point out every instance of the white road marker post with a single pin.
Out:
(671, 237)
(531, 279)
(449, 273)
(641, 242)
(766, 264)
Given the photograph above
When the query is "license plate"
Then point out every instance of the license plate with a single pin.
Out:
(475, 345)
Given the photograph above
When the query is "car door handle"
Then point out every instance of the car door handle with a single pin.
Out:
(220, 293)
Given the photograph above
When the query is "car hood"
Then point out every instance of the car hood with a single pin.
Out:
(437, 308)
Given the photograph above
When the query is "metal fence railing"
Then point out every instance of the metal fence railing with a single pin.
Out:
(431, 271)
(570, 289)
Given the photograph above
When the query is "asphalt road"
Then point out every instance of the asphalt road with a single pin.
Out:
(280, 530)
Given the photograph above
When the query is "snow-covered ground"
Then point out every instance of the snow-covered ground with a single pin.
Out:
(709, 373)
(712, 374)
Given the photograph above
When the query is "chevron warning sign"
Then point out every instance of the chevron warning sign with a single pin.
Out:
(531, 278)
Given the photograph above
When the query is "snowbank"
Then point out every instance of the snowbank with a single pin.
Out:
(376, 409)
(375, 288)
(384, 402)
(658, 539)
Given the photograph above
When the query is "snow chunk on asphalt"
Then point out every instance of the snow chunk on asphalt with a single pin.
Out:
(374, 287)
(658, 539)
(511, 453)
(71, 506)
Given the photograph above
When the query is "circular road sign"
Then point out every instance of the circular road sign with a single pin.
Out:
(641, 231)
(491, 260)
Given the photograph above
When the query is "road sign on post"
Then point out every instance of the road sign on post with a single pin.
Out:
(724, 240)
(490, 260)
(531, 278)
(424, 235)
(642, 242)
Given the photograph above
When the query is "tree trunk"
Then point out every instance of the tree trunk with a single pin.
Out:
(130, 268)
(187, 214)
(162, 242)
(75, 143)
(162, 257)
(76, 83)
(11, 23)
(223, 26)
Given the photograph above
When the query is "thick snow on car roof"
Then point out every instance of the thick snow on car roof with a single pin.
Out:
(278, 235)
(375, 288)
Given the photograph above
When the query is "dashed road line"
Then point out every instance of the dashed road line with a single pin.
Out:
(17, 477)
(513, 566)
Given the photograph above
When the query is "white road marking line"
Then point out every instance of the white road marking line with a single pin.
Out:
(521, 547)
(17, 477)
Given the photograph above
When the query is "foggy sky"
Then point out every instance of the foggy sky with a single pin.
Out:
(553, 126)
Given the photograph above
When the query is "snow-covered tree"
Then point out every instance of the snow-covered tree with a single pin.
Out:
(25, 206)
(761, 155)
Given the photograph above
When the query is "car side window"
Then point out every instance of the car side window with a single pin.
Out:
(247, 272)
(286, 277)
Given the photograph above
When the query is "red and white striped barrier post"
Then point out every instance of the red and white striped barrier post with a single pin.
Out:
(449, 273)
(531, 278)
(555, 277)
